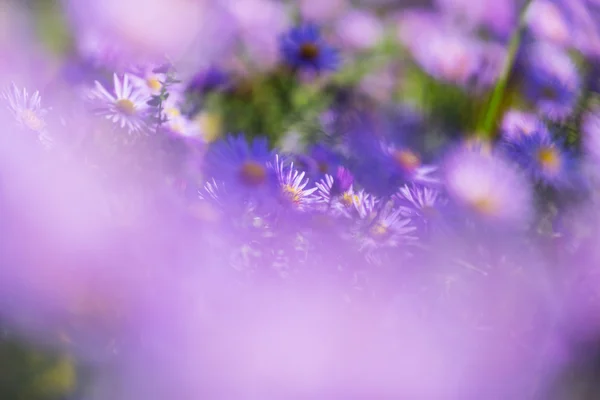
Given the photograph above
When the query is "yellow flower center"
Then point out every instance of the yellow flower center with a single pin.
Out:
(407, 159)
(252, 173)
(126, 106)
(31, 120)
(154, 84)
(549, 159)
(484, 205)
(379, 230)
(348, 199)
(292, 194)
(173, 112)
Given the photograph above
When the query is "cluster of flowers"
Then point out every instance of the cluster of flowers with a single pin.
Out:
(484, 225)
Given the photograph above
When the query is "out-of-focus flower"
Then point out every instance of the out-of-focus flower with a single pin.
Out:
(543, 158)
(519, 123)
(551, 80)
(382, 225)
(147, 79)
(422, 204)
(547, 22)
(148, 31)
(176, 122)
(321, 11)
(127, 107)
(359, 29)
(591, 134)
(381, 167)
(260, 23)
(498, 17)
(242, 166)
(488, 187)
(26, 109)
(442, 51)
(206, 80)
(292, 185)
(304, 48)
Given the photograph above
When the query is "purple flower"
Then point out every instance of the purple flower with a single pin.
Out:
(498, 17)
(304, 48)
(292, 186)
(338, 201)
(242, 166)
(206, 80)
(381, 225)
(543, 158)
(359, 29)
(342, 181)
(516, 124)
(487, 187)
(547, 21)
(381, 167)
(422, 204)
(444, 52)
(551, 80)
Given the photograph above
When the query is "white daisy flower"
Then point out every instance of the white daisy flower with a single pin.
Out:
(149, 81)
(128, 107)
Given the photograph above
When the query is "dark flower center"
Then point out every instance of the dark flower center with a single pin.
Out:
(252, 173)
(309, 51)
(323, 167)
(548, 92)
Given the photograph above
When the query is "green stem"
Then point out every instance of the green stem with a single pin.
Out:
(498, 94)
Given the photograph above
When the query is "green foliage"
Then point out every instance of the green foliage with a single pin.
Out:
(268, 105)
(32, 374)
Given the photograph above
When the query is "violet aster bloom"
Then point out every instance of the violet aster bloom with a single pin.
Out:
(342, 181)
(547, 21)
(543, 158)
(207, 80)
(551, 80)
(381, 225)
(340, 200)
(380, 167)
(242, 167)
(304, 48)
(292, 185)
(422, 204)
(516, 124)
(488, 187)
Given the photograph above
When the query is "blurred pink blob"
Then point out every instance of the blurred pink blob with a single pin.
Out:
(149, 30)
(359, 29)
(321, 11)
(260, 24)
